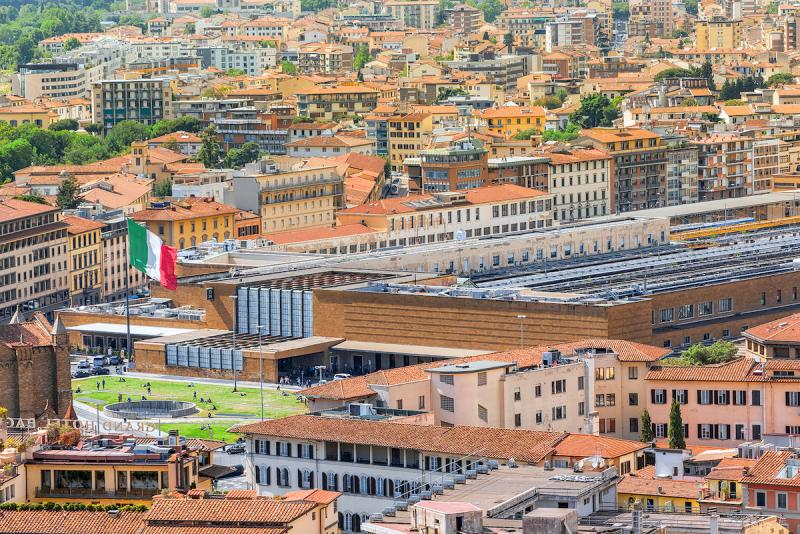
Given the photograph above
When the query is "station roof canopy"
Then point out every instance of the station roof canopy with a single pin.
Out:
(114, 329)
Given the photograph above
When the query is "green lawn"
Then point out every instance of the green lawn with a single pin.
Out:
(233, 407)
(192, 430)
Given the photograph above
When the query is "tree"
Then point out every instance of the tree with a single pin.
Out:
(446, 93)
(68, 196)
(238, 157)
(675, 72)
(772, 8)
(268, 43)
(490, 8)
(525, 135)
(676, 440)
(316, 5)
(779, 78)
(679, 33)
(621, 10)
(93, 128)
(595, 110)
(646, 428)
(71, 44)
(189, 29)
(548, 102)
(15, 155)
(31, 198)
(206, 11)
(64, 124)
(181, 124)
(287, 67)
(735, 102)
(235, 72)
(301, 118)
(210, 152)
(562, 136)
(508, 40)
(126, 132)
(163, 188)
(699, 354)
(691, 6)
(361, 58)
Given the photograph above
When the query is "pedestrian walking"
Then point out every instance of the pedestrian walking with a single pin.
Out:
(98, 385)
(104, 383)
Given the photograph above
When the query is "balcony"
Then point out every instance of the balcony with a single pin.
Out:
(89, 493)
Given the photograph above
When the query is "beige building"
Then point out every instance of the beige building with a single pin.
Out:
(580, 181)
(717, 32)
(85, 247)
(316, 58)
(290, 198)
(335, 103)
(420, 14)
(33, 258)
(408, 135)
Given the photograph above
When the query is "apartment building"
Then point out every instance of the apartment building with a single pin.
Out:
(724, 166)
(335, 103)
(238, 126)
(33, 258)
(511, 120)
(290, 197)
(528, 171)
(441, 216)
(85, 250)
(115, 259)
(682, 160)
(502, 71)
(775, 339)
(144, 100)
(463, 19)
(718, 32)
(49, 80)
(578, 28)
(318, 58)
(770, 158)
(651, 18)
(639, 179)
(459, 166)
(580, 181)
(527, 26)
(188, 222)
(254, 61)
(419, 14)
(408, 135)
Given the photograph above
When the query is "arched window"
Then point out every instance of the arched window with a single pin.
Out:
(181, 243)
(306, 479)
(332, 482)
(341, 521)
(355, 484)
(380, 489)
(194, 241)
(356, 523)
(348, 521)
(283, 476)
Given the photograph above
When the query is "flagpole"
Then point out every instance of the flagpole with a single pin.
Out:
(129, 346)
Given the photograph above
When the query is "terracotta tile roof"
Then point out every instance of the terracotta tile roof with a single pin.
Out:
(79, 225)
(342, 89)
(117, 190)
(480, 195)
(34, 332)
(317, 234)
(731, 469)
(783, 330)
(737, 111)
(187, 208)
(178, 137)
(241, 511)
(79, 522)
(739, 370)
(314, 495)
(523, 445)
(242, 494)
(586, 445)
(768, 468)
(635, 484)
(616, 135)
(12, 209)
(336, 141)
(181, 529)
(560, 156)
(505, 112)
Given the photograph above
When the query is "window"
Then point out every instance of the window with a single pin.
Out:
(599, 400)
(633, 373)
(446, 379)
(537, 391)
(581, 381)
(604, 373)
(633, 399)
(761, 498)
(633, 424)
(422, 402)
(793, 398)
(782, 501)
(559, 412)
(755, 399)
(680, 395)
(704, 396)
(611, 399)
(658, 396)
(558, 386)
(686, 311)
(581, 408)
(667, 315)
(517, 420)
(763, 299)
(538, 417)
(517, 394)
(705, 308)
(481, 379)
(660, 430)
(740, 398)
(725, 305)
(483, 414)
(447, 404)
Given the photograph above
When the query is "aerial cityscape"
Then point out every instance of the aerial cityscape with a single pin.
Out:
(399, 266)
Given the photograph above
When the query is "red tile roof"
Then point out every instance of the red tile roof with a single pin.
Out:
(783, 330)
(78, 522)
(12, 209)
(586, 445)
(523, 445)
(767, 469)
(79, 225)
(187, 208)
(241, 511)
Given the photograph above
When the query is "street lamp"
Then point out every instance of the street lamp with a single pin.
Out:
(522, 330)
(261, 368)
(233, 352)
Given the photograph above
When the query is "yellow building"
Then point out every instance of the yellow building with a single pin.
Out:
(642, 490)
(510, 120)
(28, 114)
(717, 32)
(85, 251)
(335, 103)
(408, 134)
(116, 471)
(189, 221)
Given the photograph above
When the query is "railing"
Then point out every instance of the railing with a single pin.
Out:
(79, 493)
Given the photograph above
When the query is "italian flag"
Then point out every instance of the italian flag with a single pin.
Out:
(151, 256)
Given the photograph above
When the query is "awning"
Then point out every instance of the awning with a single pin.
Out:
(114, 329)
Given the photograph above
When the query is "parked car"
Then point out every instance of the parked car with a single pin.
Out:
(236, 448)
(115, 360)
(341, 376)
(81, 373)
(83, 365)
(100, 371)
